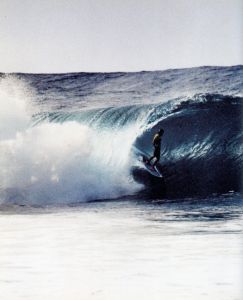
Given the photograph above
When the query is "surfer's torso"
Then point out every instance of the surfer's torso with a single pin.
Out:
(157, 141)
(157, 144)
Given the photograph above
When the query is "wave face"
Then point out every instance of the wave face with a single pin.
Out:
(67, 138)
(202, 146)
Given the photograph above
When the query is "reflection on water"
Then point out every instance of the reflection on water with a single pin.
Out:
(189, 249)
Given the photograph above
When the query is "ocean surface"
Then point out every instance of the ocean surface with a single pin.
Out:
(82, 218)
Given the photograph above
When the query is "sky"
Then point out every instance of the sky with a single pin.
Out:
(56, 36)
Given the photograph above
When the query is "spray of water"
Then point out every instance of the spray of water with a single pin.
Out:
(58, 163)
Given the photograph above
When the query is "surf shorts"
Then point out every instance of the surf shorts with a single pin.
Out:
(157, 153)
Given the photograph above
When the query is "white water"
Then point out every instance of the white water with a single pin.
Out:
(69, 162)
(120, 251)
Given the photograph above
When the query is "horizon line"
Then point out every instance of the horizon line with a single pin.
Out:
(111, 72)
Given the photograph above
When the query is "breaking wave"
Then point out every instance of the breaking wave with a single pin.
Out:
(64, 156)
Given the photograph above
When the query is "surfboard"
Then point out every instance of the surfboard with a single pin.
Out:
(151, 169)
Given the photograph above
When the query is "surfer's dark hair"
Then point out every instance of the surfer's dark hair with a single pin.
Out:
(161, 131)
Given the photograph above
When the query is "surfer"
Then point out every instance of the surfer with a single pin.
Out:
(157, 145)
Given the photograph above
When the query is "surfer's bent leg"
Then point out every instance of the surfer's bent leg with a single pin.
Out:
(155, 161)
(151, 158)
(156, 156)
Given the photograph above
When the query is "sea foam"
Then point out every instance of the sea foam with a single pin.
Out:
(57, 163)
